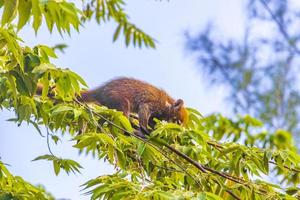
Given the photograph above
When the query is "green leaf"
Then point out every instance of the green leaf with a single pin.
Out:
(42, 68)
(252, 121)
(37, 16)
(229, 150)
(56, 167)
(45, 83)
(66, 164)
(141, 148)
(62, 108)
(117, 32)
(10, 9)
(125, 123)
(45, 157)
(24, 12)
(77, 77)
(121, 159)
(292, 190)
(55, 138)
(106, 139)
(13, 89)
(128, 36)
(49, 51)
(60, 47)
(266, 161)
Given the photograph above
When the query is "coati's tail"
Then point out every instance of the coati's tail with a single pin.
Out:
(85, 95)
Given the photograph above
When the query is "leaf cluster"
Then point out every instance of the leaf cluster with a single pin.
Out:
(65, 16)
(260, 67)
(14, 187)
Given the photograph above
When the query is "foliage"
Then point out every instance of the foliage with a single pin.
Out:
(211, 158)
(105, 10)
(14, 187)
(261, 67)
(65, 164)
(64, 15)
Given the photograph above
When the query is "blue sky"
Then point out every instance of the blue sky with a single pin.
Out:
(92, 55)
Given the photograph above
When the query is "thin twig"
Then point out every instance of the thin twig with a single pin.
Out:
(167, 168)
(48, 143)
(233, 195)
(196, 164)
(165, 154)
(289, 168)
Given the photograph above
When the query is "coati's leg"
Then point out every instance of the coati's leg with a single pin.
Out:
(144, 115)
(125, 107)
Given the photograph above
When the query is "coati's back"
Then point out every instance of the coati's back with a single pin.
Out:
(129, 89)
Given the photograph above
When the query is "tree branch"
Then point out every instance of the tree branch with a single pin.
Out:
(280, 26)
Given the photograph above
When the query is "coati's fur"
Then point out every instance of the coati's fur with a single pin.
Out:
(134, 96)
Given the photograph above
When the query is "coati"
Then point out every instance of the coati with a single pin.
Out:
(134, 96)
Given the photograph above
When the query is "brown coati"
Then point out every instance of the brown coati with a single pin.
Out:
(134, 96)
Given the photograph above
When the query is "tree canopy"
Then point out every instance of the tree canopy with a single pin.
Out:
(260, 68)
(213, 157)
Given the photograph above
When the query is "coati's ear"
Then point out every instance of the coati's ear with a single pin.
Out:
(178, 104)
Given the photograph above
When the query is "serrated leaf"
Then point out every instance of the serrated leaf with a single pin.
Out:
(56, 167)
(121, 159)
(117, 32)
(55, 138)
(37, 16)
(77, 77)
(42, 68)
(60, 47)
(10, 9)
(266, 162)
(24, 9)
(62, 108)
(45, 83)
(141, 148)
(229, 150)
(45, 157)
(106, 139)
(49, 51)
(128, 36)
(125, 123)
